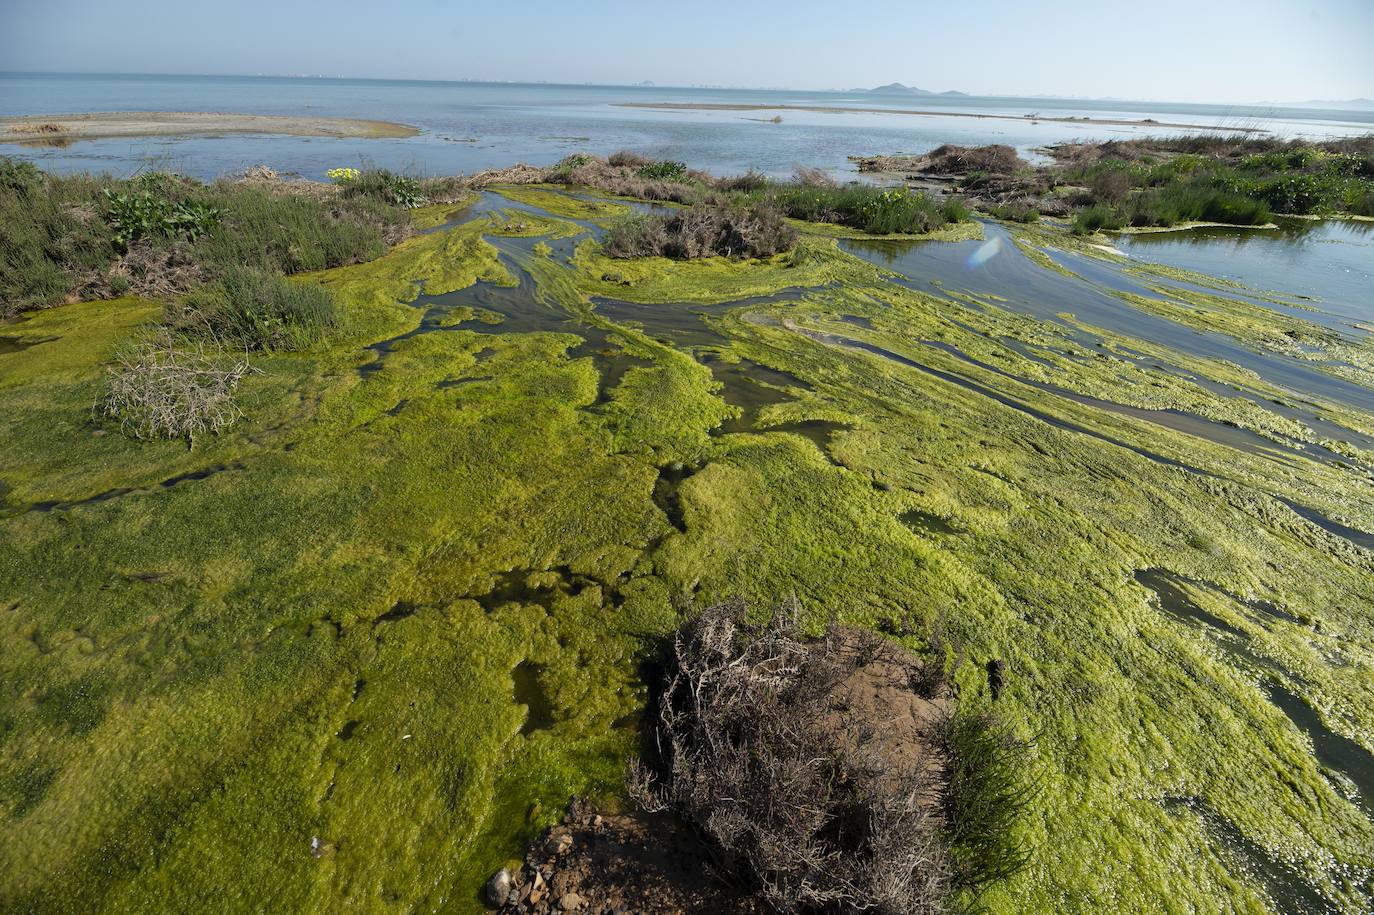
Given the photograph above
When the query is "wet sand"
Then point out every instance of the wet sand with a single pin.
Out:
(829, 109)
(66, 127)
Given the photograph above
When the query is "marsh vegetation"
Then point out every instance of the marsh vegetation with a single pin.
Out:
(1158, 182)
(362, 642)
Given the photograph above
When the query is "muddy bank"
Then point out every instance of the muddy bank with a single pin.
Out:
(65, 127)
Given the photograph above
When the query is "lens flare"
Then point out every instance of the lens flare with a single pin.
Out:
(986, 252)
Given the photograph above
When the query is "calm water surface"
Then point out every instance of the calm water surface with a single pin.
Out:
(466, 127)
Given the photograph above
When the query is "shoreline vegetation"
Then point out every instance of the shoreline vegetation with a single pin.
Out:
(352, 531)
(844, 109)
(1152, 183)
(57, 129)
(68, 238)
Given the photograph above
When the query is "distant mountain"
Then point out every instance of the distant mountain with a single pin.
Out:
(900, 89)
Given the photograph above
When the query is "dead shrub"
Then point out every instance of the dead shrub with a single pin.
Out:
(779, 752)
(995, 159)
(627, 159)
(808, 176)
(704, 230)
(161, 389)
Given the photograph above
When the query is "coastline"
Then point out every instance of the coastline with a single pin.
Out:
(62, 128)
(836, 109)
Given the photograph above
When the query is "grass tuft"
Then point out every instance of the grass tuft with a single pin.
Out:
(251, 310)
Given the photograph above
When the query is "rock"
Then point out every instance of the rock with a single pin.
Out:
(570, 902)
(562, 844)
(498, 887)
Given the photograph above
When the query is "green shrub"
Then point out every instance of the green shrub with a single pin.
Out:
(250, 310)
(387, 187)
(1178, 203)
(1014, 212)
(667, 170)
(1095, 218)
(138, 214)
(879, 211)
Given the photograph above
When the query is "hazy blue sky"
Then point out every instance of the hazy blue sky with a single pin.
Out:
(1187, 50)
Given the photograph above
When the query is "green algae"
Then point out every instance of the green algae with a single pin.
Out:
(554, 201)
(318, 647)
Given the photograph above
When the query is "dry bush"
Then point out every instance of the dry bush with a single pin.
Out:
(812, 177)
(1112, 185)
(792, 771)
(159, 389)
(446, 189)
(748, 182)
(961, 160)
(704, 230)
(627, 159)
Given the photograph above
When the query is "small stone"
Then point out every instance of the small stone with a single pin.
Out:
(569, 902)
(498, 887)
(564, 843)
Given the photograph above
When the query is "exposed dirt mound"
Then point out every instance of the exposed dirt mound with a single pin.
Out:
(619, 863)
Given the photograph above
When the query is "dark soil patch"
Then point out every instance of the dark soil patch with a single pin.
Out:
(630, 863)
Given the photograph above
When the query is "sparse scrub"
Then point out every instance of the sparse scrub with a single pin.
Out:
(248, 309)
(158, 388)
(1167, 181)
(756, 230)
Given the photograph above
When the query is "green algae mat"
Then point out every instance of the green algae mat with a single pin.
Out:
(353, 653)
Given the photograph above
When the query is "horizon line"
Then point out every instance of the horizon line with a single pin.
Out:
(650, 84)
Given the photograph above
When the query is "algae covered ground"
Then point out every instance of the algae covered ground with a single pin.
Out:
(353, 653)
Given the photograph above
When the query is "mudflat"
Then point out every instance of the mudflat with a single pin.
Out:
(106, 124)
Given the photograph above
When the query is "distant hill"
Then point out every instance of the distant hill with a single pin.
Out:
(900, 89)
(1348, 104)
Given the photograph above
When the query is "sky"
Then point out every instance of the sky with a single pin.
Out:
(1165, 50)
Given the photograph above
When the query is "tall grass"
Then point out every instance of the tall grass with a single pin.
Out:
(987, 789)
(290, 233)
(251, 310)
(52, 239)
